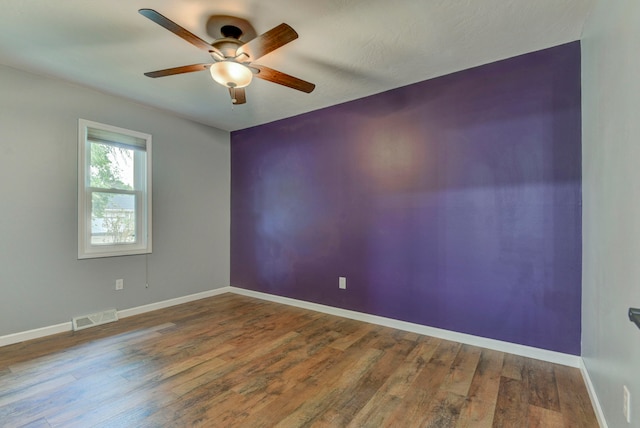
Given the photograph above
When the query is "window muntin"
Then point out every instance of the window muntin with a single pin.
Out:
(114, 191)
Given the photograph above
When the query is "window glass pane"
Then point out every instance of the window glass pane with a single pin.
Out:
(113, 218)
(111, 167)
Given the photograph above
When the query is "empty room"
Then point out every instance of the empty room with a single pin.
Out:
(328, 214)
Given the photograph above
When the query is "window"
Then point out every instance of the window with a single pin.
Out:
(114, 191)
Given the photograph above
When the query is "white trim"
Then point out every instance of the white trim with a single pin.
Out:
(22, 336)
(10, 339)
(525, 351)
(498, 345)
(171, 302)
(143, 194)
(592, 395)
(512, 348)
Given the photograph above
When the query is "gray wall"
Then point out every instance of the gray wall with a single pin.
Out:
(611, 211)
(41, 280)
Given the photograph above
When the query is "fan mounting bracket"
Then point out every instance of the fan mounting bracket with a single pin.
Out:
(226, 26)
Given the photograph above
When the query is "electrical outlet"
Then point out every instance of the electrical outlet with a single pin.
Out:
(342, 283)
(626, 403)
(119, 284)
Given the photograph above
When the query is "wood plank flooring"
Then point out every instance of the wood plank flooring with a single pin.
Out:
(234, 361)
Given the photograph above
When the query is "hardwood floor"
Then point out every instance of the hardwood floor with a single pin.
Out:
(234, 361)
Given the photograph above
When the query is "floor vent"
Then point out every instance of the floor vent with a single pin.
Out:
(98, 318)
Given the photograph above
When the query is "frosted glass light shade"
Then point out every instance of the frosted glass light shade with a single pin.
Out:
(231, 74)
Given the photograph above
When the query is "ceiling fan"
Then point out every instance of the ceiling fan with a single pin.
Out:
(233, 65)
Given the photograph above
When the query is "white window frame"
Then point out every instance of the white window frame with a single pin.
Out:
(142, 245)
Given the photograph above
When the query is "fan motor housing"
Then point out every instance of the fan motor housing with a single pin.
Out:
(228, 46)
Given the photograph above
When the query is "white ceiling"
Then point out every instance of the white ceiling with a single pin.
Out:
(348, 48)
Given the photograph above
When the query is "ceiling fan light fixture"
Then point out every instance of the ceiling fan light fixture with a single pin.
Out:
(233, 65)
(231, 74)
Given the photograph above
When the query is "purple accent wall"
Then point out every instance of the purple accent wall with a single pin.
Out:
(453, 203)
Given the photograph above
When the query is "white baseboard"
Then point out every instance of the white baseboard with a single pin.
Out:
(10, 339)
(512, 348)
(592, 395)
(172, 302)
(22, 336)
(522, 350)
(498, 345)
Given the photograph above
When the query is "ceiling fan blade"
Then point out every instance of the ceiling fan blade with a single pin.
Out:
(177, 70)
(275, 76)
(175, 29)
(268, 42)
(238, 95)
